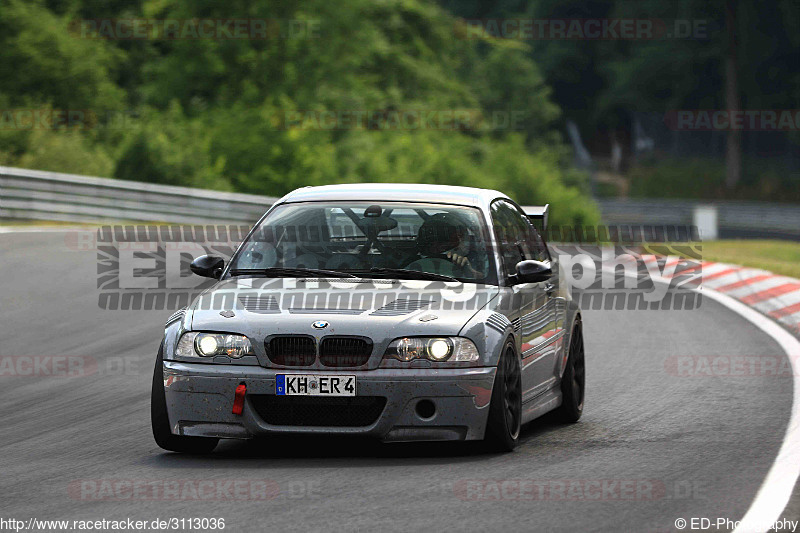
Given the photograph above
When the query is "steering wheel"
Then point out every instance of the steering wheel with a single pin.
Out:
(435, 265)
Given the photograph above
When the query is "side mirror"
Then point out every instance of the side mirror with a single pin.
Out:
(532, 271)
(208, 266)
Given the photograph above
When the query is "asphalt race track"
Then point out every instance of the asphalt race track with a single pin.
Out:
(660, 445)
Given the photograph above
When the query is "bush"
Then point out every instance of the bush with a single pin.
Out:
(65, 151)
(209, 113)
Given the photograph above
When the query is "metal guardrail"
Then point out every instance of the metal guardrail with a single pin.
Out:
(733, 218)
(38, 195)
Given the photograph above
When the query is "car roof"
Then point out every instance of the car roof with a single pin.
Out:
(382, 192)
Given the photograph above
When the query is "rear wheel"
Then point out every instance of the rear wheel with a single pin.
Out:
(573, 384)
(505, 411)
(160, 421)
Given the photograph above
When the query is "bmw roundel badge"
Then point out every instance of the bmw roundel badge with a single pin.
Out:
(319, 324)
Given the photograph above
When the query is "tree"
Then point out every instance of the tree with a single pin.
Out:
(733, 153)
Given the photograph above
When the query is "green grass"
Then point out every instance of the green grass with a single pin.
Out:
(21, 222)
(779, 257)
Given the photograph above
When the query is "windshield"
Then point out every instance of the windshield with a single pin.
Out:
(372, 240)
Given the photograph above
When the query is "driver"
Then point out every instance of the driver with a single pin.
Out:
(446, 236)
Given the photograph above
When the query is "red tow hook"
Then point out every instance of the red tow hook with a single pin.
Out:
(238, 399)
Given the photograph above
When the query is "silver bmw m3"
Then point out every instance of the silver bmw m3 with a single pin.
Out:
(400, 312)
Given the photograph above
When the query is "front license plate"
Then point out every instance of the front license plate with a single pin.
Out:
(314, 385)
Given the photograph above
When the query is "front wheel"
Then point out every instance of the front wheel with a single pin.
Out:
(573, 384)
(505, 411)
(160, 421)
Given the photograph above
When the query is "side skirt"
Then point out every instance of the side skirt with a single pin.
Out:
(544, 403)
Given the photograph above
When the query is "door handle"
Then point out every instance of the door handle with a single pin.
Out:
(549, 287)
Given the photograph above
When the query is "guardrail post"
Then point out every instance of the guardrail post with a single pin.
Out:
(705, 218)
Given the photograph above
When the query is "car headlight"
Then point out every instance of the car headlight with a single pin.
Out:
(195, 344)
(438, 349)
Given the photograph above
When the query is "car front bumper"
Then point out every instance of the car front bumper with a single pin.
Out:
(200, 402)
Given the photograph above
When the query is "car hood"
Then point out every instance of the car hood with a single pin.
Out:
(379, 309)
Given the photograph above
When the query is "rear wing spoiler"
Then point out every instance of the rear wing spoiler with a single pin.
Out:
(537, 214)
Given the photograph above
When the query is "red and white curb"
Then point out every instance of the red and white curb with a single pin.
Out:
(777, 297)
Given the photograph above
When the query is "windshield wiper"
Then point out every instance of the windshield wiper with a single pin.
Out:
(277, 272)
(407, 274)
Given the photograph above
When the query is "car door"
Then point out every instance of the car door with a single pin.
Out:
(548, 345)
(529, 310)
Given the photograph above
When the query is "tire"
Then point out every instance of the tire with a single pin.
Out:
(505, 411)
(160, 421)
(573, 384)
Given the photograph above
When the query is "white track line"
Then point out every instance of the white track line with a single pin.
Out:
(777, 487)
(775, 491)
